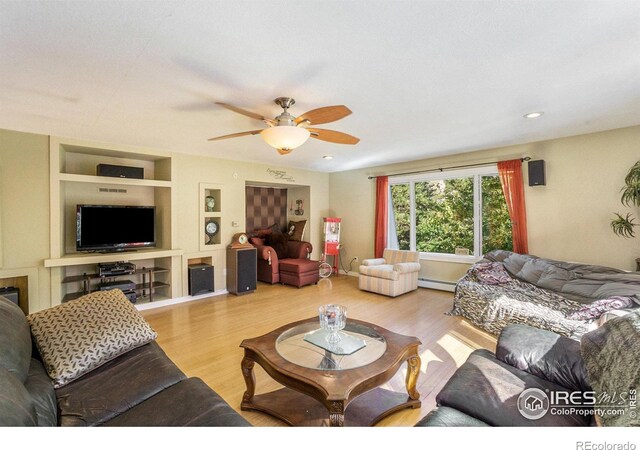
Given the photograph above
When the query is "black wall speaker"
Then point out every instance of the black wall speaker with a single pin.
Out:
(200, 278)
(536, 173)
(109, 170)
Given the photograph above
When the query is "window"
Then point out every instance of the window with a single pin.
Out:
(449, 213)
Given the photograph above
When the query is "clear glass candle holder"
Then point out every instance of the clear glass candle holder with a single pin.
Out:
(333, 318)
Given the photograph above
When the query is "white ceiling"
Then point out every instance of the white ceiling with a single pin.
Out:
(423, 78)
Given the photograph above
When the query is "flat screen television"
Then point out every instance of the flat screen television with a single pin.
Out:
(111, 228)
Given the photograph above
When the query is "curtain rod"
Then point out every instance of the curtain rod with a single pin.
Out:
(440, 169)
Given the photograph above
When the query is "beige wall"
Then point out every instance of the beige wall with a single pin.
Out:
(24, 210)
(24, 207)
(190, 171)
(568, 219)
(302, 193)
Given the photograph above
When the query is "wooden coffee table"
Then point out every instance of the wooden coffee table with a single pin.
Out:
(322, 388)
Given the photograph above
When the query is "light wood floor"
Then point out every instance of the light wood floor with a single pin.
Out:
(202, 337)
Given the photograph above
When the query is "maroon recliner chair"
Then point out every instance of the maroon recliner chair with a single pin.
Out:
(295, 270)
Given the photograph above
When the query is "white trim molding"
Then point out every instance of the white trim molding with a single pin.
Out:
(175, 301)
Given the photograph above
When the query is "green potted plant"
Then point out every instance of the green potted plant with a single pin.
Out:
(624, 225)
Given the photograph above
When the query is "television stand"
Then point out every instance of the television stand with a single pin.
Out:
(92, 282)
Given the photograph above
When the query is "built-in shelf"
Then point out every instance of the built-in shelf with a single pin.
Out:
(77, 259)
(211, 203)
(141, 298)
(94, 276)
(74, 181)
(95, 179)
(145, 289)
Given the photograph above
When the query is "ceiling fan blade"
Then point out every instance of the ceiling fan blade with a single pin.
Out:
(244, 112)
(336, 137)
(227, 136)
(324, 115)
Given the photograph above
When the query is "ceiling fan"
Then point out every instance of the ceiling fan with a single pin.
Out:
(287, 132)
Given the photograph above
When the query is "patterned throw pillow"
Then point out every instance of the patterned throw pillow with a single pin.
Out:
(81, 335)
(595, 309)
(491, 273)
(296, 230)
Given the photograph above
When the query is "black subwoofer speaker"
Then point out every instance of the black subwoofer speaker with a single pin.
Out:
(536, 173)
(200, 279)
(109, 170)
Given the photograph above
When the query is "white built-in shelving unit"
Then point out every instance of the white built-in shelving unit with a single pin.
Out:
(210, 214)
(74, 181)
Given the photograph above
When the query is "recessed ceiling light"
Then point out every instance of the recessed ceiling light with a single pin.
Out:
(533, 115)
(328, 157)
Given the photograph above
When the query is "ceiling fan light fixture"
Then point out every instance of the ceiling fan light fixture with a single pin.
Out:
(285, 137)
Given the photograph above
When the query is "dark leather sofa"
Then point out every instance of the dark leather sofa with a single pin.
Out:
(484, 391)
(143, 387)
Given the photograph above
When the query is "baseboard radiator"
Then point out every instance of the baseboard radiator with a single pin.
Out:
(439, 285)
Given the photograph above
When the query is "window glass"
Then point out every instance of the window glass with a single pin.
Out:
(444, 215)
(439, 214)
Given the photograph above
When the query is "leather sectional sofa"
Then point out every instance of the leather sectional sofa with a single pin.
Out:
(539, 292)
(485, 390)
(142, 387)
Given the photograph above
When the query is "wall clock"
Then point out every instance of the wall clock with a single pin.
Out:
(211, 228)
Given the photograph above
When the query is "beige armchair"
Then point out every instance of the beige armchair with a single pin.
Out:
(393, 274)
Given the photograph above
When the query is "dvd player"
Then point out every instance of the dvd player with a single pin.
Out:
(123, 285)
(117, 268)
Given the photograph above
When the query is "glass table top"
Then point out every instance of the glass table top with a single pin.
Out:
(293, 347)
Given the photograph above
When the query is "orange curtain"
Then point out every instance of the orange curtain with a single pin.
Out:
(513, 187)
(382, 215)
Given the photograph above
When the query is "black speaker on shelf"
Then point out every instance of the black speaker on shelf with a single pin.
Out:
(200, 279)
(110, 170)
(536, 173)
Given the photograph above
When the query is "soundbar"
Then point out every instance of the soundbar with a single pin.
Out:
(110, 170)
